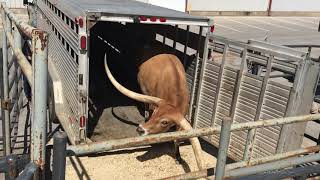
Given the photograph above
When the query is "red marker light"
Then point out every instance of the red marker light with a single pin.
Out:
(143, 18)
(212, 29)
(80, 22)
(83, 42)
(82, 121)
(153, 19)
(162, 19)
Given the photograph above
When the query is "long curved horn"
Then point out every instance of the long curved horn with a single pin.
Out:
(127, 92)
(185, 125)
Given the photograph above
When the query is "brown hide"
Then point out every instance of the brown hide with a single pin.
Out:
(163, 76)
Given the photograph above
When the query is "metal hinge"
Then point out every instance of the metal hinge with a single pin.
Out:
(82, 97)
(6, 104)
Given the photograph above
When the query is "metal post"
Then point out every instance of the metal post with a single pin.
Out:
(15, 98)
(175, 38)
(32, 14)
(28, 172)
(12, 167)
(59, 155)
(195, 77)
(39, 94)
(186, 47)
(223, 147)
(5, 85)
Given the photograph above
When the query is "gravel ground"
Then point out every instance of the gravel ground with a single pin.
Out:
(145, 163)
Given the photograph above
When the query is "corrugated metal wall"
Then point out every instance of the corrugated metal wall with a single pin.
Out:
(14, 3)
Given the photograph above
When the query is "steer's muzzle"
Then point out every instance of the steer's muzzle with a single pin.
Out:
(140, 130)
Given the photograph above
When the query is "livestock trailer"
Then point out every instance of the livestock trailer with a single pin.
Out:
(218, 73)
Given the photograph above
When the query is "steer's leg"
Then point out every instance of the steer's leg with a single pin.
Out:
(177, 154)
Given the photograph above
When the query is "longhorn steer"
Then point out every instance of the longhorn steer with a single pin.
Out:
(162, 79)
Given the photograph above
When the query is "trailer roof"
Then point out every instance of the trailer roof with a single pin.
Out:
(75, 8)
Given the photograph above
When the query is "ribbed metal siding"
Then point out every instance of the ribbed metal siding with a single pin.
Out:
(274, 106)
(257, 98)
(225, 98)
(190, 73)
(207, 95)
(246, 109)
(66, 65)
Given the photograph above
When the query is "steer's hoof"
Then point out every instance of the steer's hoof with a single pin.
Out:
(178, 160)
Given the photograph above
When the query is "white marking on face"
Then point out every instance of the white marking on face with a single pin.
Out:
(145, 130)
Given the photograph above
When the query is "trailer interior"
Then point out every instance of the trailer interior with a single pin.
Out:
(112, 115)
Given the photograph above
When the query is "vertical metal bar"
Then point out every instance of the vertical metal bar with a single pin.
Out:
(309, 50)
(164, 40)
(15, 97)
(300, 101)
(252, 132)
(220, 77)
(269, 8)
(203, 67)
(195, 77)
(186, 47)
(6, 84)
(59, 155)
(32, 14)
(4, 44)
(223, 147)
(238, 82)
(175, 38)
(39, 94)
(12, 167)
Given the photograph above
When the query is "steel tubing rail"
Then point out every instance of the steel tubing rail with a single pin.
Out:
(28, 172)
(290, 162)
(252, 162)
(5, 112)
(102, 146)
(24, 27)
(21, 59)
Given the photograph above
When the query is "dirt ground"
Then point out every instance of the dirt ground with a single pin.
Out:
(144, 163)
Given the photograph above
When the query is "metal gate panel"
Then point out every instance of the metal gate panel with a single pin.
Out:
(245, 111)
(246, 97)
(224, 97)
(208, 94)
(190, 74)
(274, 106)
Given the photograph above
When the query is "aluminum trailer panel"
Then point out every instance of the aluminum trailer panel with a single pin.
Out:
(98, 8)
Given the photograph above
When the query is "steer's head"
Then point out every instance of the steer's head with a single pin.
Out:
(162, 119)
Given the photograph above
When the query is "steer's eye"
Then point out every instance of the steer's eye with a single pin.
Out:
(164, 123)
